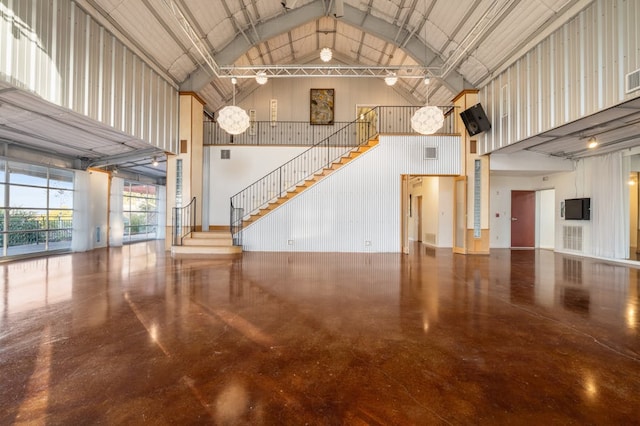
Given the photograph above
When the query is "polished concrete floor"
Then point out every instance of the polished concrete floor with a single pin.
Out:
(132, 336)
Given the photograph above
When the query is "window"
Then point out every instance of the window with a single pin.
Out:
(36, 208)
(140, 208)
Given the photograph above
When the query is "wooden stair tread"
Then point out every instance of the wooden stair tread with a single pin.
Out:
(211, 234)
(206, 243)
(201, 250)
(310, 181)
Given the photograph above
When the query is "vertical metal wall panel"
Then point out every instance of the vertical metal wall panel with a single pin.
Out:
(356, 208)
(578, 70)
(56, 50)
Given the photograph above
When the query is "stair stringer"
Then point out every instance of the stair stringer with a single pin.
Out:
(310, 181)
(356, 208)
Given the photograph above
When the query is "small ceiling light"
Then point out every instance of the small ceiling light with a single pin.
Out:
(234, 81)
(427, 80)
(592, 142)
(326, 54)
(154, 162)
(391, 79)
(261, 77)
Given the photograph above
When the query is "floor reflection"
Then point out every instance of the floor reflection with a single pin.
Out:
(130, 335)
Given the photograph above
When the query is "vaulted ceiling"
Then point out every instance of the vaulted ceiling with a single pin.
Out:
(194, 43)
(463, 43)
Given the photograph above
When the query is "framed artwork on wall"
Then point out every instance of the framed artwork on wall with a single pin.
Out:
(322, 106)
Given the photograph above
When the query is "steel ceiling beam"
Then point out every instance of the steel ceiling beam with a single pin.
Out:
(287, 71)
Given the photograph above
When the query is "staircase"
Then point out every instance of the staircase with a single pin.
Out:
(309, 182)
(206, 243)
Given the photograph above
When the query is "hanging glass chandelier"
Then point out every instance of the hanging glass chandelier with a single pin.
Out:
(233, 120)
(428, 119)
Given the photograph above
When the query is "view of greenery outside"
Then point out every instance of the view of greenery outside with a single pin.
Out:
(140, 208)
(36, 208)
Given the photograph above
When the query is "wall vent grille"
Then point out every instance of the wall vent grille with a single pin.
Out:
(431, 153)
(633, 81)
(572, 238)
(225, 154)
(429, 238)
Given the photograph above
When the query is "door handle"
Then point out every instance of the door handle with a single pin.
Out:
(514, 219)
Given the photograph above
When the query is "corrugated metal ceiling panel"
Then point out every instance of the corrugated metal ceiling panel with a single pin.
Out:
(152, 35)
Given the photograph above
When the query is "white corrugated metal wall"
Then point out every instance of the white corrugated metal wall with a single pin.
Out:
(56, 50)
(576, 71)
(356, 208)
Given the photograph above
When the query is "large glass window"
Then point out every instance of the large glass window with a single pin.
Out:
(36, 208)
(140, 208)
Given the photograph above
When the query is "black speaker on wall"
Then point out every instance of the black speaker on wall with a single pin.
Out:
(475, 120)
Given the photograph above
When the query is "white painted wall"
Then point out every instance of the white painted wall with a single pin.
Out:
(445, 211)
(293, 96)
(99, 191)
(356, 208)
(90, 210)
(575, 184)
(545, 218)
(500, 206)
(246, 165)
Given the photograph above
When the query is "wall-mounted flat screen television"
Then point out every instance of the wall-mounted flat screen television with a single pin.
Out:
(577, 209)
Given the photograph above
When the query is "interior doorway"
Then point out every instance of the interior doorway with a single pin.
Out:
(523, 219)
(427, 211)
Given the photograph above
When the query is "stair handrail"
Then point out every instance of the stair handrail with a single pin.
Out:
(184, 221)
(331, 148)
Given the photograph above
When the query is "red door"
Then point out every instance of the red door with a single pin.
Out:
(523, 218)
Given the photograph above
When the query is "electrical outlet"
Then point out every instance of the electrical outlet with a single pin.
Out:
(367, 243)
(290, 242)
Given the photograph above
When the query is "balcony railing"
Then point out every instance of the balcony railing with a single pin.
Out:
(297, 133)
(392, 119)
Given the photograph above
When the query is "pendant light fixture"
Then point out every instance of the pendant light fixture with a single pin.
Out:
(428, 119)
(233, 120)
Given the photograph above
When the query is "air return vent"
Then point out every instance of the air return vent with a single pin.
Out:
(431, 153)
(633, 81)
(572, 238)
(225, 154)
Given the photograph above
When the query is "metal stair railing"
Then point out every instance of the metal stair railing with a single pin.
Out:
(184, 221)
(258, 195)
(286, 177)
